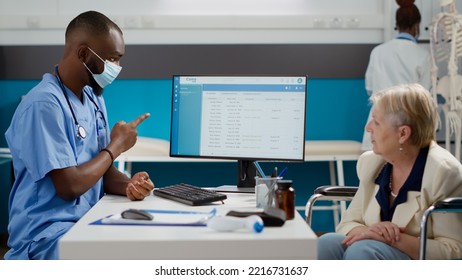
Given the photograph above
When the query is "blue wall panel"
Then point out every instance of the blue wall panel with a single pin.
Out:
(336, 108)
(5, 187)
(127, 99)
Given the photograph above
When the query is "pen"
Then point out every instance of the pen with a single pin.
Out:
(275, 172)
(259, 170)
(282, 172)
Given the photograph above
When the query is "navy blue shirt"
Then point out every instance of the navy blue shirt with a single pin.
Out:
(412, 183)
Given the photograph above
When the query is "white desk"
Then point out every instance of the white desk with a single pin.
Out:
(294, 240)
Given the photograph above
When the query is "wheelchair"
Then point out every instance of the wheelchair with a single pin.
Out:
(346, 193)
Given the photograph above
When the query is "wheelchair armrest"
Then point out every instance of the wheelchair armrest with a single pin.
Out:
(451, 203)
(333, 193)
(336, 191)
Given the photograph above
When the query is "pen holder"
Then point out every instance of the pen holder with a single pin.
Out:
(265, 188)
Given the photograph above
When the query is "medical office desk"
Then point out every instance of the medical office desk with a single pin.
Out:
(294, 240)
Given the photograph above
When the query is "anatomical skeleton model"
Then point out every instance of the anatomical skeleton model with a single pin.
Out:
(446, 50)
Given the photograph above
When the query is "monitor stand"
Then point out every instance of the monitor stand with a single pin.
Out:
(246, 172)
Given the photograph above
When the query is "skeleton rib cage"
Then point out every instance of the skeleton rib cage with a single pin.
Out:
(446, 50)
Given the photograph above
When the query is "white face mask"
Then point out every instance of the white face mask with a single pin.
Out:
(110, 73)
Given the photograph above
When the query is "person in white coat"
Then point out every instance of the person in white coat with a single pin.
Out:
(400, 60)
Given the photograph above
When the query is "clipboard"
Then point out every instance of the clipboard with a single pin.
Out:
(161, 218)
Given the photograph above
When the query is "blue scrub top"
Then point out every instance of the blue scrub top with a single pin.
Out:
(43, 137)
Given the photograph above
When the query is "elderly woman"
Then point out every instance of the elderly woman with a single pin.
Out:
(404, 174)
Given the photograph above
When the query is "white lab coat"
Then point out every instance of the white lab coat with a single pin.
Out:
(398, 61)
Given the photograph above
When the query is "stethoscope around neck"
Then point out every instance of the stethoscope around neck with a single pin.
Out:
(81, 132)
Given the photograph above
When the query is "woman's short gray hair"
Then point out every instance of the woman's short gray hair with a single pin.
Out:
(412, 105)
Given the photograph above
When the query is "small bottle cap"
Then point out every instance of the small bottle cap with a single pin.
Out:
(284, 184)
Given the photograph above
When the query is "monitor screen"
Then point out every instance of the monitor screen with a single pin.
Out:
(247, 118)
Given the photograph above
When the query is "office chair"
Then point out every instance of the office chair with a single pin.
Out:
(340, 193)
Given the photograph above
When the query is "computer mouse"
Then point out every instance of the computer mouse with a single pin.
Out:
(137, 214)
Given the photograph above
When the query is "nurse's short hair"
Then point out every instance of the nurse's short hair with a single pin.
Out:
(412, 105)
(93, 23)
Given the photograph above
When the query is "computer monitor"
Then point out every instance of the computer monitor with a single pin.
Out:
(246, 118)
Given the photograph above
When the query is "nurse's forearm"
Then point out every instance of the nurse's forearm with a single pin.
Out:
(115, 182)
(72, 182)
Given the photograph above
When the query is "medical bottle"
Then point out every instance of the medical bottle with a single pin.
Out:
(285, 198)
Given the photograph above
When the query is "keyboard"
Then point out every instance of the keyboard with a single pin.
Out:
(189, 194)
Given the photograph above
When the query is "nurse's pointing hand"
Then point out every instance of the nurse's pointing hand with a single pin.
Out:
(139, 120)
(123, 135)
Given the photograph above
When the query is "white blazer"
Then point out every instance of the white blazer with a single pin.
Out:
(442, 178)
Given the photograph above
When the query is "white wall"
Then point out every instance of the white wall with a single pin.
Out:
(32, 22)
